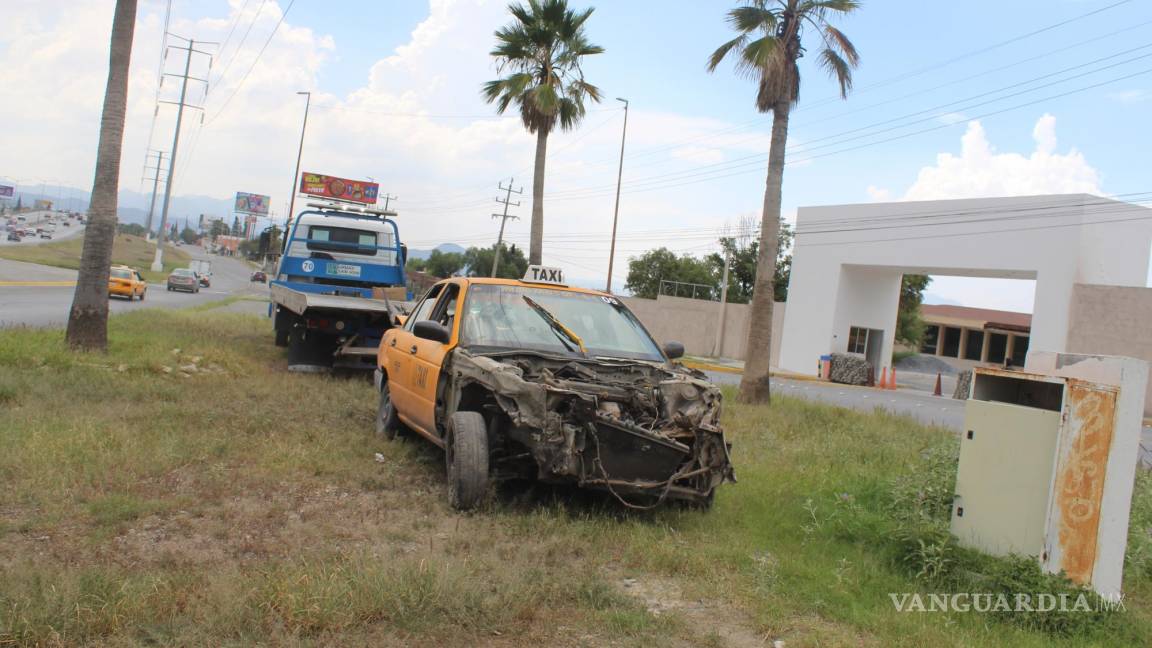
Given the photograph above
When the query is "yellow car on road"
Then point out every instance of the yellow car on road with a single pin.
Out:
(534, 379)
(126, 282)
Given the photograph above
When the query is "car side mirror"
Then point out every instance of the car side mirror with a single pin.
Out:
(673, 350)
(429, 330)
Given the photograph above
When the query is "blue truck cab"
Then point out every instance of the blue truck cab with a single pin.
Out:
(322, 301)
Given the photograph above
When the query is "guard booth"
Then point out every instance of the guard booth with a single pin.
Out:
(1047, 463)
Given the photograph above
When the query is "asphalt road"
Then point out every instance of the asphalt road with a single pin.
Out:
(922, 406)
(36, 218)
(47, 305)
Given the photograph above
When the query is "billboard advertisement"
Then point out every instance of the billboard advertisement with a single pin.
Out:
(44, 205)
(322, 186)
(247, 203)
(6, 191)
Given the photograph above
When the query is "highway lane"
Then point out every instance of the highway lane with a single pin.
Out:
(38, 218)
(47, 305)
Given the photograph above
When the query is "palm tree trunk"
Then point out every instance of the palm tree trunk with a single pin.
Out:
(754, 386)
(536, 246)
(88, 319)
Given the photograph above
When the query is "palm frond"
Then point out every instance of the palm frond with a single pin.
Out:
(753, 17)
(722, 51)
(842, 44)
(838, 69)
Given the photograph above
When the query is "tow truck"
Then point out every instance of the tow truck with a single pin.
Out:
(339, 285)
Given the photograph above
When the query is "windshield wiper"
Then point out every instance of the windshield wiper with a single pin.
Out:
(557, 327)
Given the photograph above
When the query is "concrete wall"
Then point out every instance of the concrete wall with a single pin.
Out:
(848, 259)
(694, 322)
(1125, 330)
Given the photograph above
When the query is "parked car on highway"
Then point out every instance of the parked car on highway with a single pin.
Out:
(260, 276)
(15, 236)
(127, 282)
(183, 279)
(534, 379)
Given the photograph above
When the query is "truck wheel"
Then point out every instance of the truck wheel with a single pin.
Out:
(387, 423)
(466, 456)
(309, 351)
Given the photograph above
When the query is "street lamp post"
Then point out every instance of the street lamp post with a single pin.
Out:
(299, 155)
(616, 212)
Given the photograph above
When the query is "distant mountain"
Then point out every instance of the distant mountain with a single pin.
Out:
(444, 248)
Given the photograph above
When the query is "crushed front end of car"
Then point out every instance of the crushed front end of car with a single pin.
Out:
(645, 432)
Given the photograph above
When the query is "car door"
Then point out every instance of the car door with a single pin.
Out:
(428, 359)
(398, 353)
(140, 283)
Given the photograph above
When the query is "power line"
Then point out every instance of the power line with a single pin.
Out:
(240, 46)
(254, 62)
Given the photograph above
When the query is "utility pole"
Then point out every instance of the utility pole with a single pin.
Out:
(158, 262)
(388, 198)
(616, 212)
(299, 154)
(721, 319)
(155, 185)
(507, 200)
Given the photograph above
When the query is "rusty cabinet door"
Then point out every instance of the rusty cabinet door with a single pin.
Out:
(1078, 482)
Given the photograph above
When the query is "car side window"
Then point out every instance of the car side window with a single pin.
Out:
(424, 307)
(445, 312)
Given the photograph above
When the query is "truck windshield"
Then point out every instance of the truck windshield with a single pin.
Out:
(497, 317)
(341, 239)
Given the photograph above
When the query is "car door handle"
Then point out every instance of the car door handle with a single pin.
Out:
(413, 349)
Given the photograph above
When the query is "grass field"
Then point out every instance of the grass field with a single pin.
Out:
(184, 489)
(128, 250)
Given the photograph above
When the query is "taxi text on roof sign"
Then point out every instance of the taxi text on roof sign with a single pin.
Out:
(544, 274)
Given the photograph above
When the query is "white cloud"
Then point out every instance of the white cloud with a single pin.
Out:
(1128, 96)
(877, 194)
(980, 171)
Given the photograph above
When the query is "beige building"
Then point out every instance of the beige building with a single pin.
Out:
(966, 337)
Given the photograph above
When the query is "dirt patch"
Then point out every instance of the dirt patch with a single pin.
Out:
(664, 597)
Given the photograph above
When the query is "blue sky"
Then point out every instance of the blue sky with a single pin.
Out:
(396, 97)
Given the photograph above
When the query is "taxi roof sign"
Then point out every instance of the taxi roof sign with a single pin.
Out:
(544, 274)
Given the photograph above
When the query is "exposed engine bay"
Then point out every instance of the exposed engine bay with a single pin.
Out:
(645, 432)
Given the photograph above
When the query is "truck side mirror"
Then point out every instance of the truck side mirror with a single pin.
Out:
(673, 350)
(429, 330)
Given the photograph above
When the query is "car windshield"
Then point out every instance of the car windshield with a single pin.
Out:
(497, 317)
(120, 273)
(183, 272)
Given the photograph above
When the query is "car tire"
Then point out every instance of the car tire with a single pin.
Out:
(142, 292)
(466, 460)
(387, 422)
(131, 295)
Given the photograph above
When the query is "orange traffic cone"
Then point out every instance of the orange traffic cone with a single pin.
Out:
(884, 378)
(936, 392)
(892, 383)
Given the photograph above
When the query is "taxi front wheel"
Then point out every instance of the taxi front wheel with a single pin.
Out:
(466, 456)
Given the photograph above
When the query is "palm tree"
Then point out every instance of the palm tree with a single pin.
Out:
(766, 49)
(88, 318)
(542, 49)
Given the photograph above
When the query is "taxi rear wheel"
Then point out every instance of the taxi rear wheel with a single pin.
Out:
(466, 456)
(387, 423)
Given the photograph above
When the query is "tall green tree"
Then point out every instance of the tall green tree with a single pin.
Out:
(909, 325)
(767, 47)
(647, 271)
(88, 317)
(513, 263)
(744, 252)
(444, 264)
(542, 49)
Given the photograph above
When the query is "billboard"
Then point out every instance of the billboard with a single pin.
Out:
(44, 205)
(247, 203)
(6, 191)
(315, 184)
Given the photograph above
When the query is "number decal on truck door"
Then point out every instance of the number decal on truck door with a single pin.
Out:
(421, 376)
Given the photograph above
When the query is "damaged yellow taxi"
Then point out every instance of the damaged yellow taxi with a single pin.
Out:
(535, 379)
